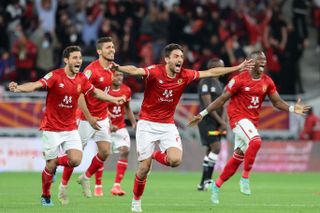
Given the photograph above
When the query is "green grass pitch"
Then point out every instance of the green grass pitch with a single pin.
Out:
(169, 192)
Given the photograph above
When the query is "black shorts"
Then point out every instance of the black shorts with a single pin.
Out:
(208, 130)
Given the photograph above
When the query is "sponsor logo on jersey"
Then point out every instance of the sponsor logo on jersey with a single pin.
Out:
(167, 94)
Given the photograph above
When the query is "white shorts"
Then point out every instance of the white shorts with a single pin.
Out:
(87, 132)
(120, 138)
(244, 132)
(148, 133)
(53, 141)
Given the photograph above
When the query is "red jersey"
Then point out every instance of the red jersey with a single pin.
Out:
(117, 111)
(247, 96)
(101, 78)
(62, 99)
(162, 93)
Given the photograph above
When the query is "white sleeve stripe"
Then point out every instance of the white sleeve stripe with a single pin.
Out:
(89, 90)
(148, 72)
(44, 82)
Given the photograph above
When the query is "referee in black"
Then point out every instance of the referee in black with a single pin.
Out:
(211, 127)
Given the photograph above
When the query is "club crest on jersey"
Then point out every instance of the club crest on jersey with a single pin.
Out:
(179, 80)
(264, 88)
(88, 73)
(47, 76)
(160, 81)
(78, 88)
(231, 83)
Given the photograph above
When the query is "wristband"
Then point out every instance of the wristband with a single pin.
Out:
(291, 108)
(204, 112)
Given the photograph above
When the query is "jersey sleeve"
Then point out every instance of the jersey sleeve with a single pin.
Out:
(87, 87)
(271, 87)
(48, 80)
(191, 75)
(234, 85)
(151, 71)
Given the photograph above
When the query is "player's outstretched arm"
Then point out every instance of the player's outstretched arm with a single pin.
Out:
(27, 87)
(129, 69)
(218, 71)
(99, 94)
(279, 103)
(219, 102)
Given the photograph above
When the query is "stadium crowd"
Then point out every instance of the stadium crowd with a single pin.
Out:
(34, 33)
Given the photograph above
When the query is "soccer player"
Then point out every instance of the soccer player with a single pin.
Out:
(164, 85)
(119, 134)
(247, 92)
(59, 128)
(94, 121)
(212, 127)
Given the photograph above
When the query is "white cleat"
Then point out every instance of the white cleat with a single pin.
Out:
(136, 206)
(85, 186)
(63, 194)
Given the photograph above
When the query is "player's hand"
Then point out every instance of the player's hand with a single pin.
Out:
(94, 123)
(13, 87)
(195, 120)
(246, 65)
(114, 66)
(119, 100)
(113, 128)
(300, 108)
(222, 127)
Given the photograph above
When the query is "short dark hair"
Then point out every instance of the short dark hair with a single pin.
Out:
(170, 47)
(215, 62)
(70, 49)
(102, 40)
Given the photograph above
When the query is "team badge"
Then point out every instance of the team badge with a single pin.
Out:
(264, 88)
(179, 80)
(78, 88)
(204, 88)
(47, 76)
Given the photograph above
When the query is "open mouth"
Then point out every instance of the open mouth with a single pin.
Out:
(77, 66)
(178, 65)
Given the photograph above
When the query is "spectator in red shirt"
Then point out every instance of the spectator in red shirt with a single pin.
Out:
(311, 129)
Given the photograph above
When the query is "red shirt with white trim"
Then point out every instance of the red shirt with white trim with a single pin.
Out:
(247, 96)
(117, 112)
(101, 78)
(62, 99)
(162, 93)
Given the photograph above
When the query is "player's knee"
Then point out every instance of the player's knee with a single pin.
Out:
(174, 161)
(104, 154)
(74, 161)
(124, 152)
(239, 151)
(143, 171)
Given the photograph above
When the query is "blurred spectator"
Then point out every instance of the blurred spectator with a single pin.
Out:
(6, 66)
(46, 10)
(46, 44)
(4, 38)
(311, 129)
(25, 52)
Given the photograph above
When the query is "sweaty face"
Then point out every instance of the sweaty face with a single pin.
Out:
(260, 63)
(175, 60)
(107, 51)
(117, 78)
(74, 62)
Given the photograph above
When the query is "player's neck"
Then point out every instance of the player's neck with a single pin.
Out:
(255, 75)
(68, 72)
(104, 63)
(170, 74)
(115, 87)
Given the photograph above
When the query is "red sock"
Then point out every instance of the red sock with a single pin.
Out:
(250, 155)
(121, 169)
(138, 187)
(47, 177)
(96, 163)
(66, 174)
(161, 157)
(230, 168)
(98, 175)
(64, 161)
